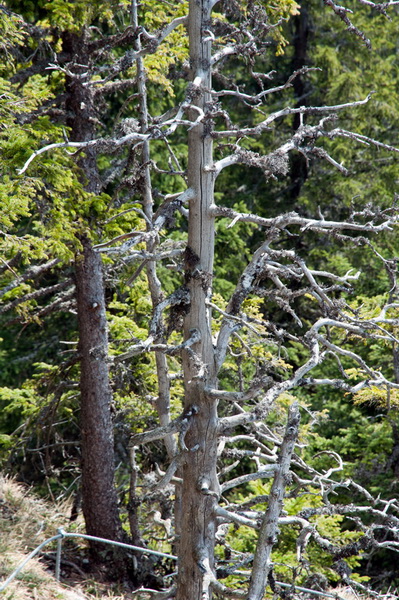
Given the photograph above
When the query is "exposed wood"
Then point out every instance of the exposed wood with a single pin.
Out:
(269, 528)
(200, 485)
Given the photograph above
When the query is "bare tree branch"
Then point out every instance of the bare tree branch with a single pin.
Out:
(268, 531)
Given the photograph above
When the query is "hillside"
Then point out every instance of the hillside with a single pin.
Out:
(25, 522)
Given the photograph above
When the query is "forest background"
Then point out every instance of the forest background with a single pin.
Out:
(72, 73)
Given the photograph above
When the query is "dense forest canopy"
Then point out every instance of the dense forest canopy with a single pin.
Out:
(199, 303)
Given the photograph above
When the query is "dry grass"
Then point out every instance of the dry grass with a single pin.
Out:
(25, 522)
(347, 593)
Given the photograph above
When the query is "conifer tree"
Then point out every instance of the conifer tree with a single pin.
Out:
(249, 352)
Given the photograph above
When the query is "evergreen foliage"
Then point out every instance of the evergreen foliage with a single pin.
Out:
(48, 211)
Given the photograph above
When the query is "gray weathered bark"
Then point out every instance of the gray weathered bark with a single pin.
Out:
(269, 529)
(200, 487)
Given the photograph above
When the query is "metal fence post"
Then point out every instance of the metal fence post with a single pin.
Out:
(58, 555)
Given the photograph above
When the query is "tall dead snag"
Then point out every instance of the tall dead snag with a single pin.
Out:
(200, 487)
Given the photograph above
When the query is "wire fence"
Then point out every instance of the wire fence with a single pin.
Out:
(61, 534)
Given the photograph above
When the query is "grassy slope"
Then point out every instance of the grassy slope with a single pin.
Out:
(25, 522)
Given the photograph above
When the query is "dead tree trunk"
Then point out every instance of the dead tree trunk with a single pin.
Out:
(200, 488)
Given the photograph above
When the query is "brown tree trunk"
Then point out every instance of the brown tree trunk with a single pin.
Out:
(200, 486)
(302, 31)
(99, 498)
(100, 505)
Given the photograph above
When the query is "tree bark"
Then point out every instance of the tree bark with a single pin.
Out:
(99, 498)
(200, 485)
(302, 30)
(100, 504)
